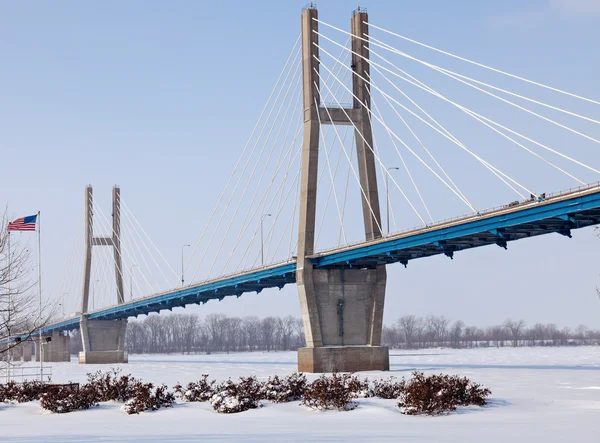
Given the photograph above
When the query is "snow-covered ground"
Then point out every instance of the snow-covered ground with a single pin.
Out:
(538, 395)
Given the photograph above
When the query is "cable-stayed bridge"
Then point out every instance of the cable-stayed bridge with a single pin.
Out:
(343, 122)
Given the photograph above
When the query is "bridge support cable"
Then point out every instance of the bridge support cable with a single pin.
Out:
(426, 88)
(246, 255)
(71, 283)
(136, 224)
(261, 176)
(490, 167)
(100, 274)
(132, 244)
(133, 239)
(481, 65)
(346, 187)
(482, 119)
(440, 69)
(247, 145)
(133, 280)
(464, 81)
(264, 200)
(401, 141)
(332, 185)
(292, 231)
(339, 138)
(120, 270)
(293, 68)
(331, 175)
(401, 158)
(442, 170)
(271, 230)
(370, 148)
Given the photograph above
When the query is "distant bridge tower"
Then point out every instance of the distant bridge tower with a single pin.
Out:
(103, 340)
(342, 308)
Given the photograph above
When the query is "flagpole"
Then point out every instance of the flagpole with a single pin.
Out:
(39, 250)
(9, 304)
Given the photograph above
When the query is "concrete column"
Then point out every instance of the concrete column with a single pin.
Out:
(56, 349)
(342, 309)
(105, 342)
(102, 340)
(308, 180)
(27, 351)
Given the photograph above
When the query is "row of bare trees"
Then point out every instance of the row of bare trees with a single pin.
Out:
(215, 333)
(188, 333)
(412, 332)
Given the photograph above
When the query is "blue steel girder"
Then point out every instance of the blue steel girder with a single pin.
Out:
(536, 218)
(557, 214)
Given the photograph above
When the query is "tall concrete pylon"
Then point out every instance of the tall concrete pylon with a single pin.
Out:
(103, 340)
(342, 309)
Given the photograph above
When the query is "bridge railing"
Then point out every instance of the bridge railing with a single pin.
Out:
(551, 196)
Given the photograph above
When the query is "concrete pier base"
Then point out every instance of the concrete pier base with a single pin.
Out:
(103, 357)
(343, 359)
(55, 350)
(103, 341)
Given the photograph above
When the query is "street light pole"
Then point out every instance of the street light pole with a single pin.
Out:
(262, 256)
(387, 197)
(131, 280)
(182, 269)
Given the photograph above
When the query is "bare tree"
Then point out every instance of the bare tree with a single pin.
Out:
(18, 313)
(515, 328)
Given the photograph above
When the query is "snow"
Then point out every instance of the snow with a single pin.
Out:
(538, 394)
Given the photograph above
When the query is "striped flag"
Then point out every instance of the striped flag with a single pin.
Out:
(23, 224)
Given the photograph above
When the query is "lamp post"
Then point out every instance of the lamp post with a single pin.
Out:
(182, 269)
(131, 280)
(387, 197)
(262, 256)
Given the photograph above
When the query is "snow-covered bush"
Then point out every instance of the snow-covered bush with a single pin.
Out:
(68, 398)
(111, 386)
(21, 392)
(334, 392)
(388, 388)
(233, 397)
(289, 388)
(201, 390)
(144, 399)
(439, 394)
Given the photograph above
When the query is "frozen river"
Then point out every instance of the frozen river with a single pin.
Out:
(538, 394)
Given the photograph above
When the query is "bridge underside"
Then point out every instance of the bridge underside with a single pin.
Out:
(560, 215)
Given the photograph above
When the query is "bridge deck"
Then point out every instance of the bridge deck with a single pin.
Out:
(558, 213)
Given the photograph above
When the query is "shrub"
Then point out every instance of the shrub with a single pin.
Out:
(197, 391)
(390, 388)
(438, 394)
(110, 386)
(63, 399)
(231, 397)
(334, 392)
(21, 392)
(144, 399)
(290, 388)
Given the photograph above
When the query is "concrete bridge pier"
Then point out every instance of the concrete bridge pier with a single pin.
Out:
(27, 351)
(55, 348)
(342, 308)
(103, 340)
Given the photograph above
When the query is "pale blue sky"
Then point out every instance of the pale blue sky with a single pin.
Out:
(160, 97)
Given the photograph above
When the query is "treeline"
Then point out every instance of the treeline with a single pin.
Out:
(189, 333)
(412, 332)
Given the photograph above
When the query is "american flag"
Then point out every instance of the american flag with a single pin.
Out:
(23, 224)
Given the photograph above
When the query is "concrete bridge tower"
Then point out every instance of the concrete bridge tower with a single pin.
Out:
(103, 340)
(342, 308)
